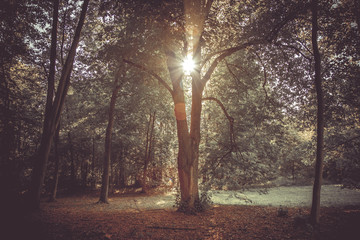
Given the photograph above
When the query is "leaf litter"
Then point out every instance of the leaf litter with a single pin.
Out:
(79, 217)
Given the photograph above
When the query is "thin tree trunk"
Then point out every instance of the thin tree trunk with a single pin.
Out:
(72, 165)
(148, 149)
(121, 168)
(84, 172)
(146, 158)
(52, 115)
(106, 170)
(93, 179)
(52, 197)
(315, 208)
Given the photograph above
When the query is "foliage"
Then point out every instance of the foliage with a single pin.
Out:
(266, 88)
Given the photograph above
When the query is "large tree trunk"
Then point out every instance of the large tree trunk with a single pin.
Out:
(188, 157)
(315, 208)
(106, 170)
(53, 108)
(188, 142)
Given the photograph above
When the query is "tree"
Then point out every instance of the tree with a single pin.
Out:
(315, 207)
(106, 169)
(340, 71)
(19, 92)
(149, 149)
(196, 13)
(53, 106)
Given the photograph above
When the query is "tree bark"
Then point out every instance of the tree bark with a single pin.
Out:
(52, 114)
(315, 208)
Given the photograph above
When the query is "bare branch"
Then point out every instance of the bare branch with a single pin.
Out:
(152, 74)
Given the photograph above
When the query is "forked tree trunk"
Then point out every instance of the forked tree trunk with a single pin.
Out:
(53, 108)
(315, 208)
(188, 155)
(42, 155)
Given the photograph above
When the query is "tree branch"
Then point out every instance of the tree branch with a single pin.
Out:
(221, 106)
(265, 76)
(295, 48)
(231, 120)
(207, 8)
(152, 74)
(226, 53)
(238, 82)
(266, 39)
(291, 16)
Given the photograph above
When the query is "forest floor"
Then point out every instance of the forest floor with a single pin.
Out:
(152, 216)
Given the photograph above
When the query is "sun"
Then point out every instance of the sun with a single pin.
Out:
(188, 65)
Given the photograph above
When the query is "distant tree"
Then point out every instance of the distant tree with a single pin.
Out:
(19, 92)
(149, 149)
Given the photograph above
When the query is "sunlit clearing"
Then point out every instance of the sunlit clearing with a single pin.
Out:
(188, 65)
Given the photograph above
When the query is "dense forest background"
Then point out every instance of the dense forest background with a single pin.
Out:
(258, 119)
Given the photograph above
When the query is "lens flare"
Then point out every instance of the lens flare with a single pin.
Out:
(188, 65)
